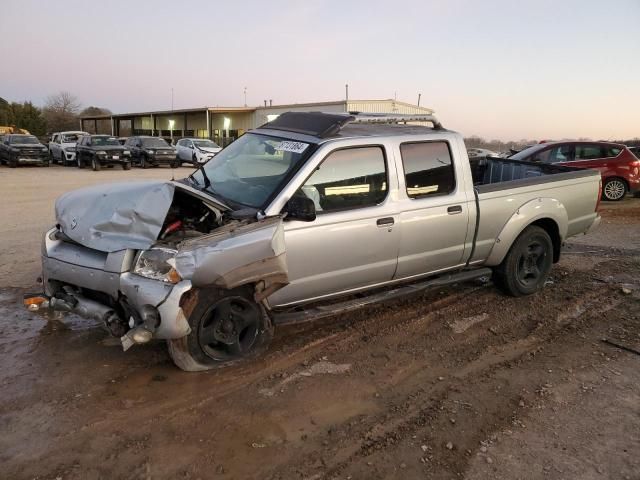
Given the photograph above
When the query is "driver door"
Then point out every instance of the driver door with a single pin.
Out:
(352, 243)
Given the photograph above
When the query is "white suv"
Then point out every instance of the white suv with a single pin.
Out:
(62, 147)
(196, 150)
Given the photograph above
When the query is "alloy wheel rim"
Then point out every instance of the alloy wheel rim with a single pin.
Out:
(614, 189)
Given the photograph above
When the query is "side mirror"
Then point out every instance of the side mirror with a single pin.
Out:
(300, 208)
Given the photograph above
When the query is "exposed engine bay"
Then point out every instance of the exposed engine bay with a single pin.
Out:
(188, 217)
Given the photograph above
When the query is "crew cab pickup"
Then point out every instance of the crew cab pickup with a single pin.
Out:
(293, 219)
(23, 149)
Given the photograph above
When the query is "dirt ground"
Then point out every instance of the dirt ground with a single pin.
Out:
(459, 382)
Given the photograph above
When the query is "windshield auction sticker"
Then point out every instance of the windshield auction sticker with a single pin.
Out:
(295, 147)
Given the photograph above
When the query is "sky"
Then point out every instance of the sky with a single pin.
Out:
(498, 69)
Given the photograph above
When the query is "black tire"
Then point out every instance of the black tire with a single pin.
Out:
(13, 163)
(227, 327)
(143, 162)
(79, 160)
(126, 166)
(526, 267)
(614, 189)
(95, 164)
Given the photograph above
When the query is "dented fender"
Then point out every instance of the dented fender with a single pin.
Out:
(524, 216)
(236, 255)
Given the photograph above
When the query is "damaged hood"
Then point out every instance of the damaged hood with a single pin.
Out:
(115, 216)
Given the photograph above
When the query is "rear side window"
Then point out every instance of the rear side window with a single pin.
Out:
(350, 178)
(427, 169)
(588, 152)
(610, 152)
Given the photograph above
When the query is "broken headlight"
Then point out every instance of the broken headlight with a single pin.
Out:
(158, 264)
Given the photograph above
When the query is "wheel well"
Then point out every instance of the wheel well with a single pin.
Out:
(551, 227)
(615, 177)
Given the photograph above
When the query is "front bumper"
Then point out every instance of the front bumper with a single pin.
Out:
(113, 159)
(31, 159)
(163, 159)
(84, 271)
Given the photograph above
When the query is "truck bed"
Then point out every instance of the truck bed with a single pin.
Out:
(492, 173)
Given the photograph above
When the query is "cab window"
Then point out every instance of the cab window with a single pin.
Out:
(428, 169)
(347, 179)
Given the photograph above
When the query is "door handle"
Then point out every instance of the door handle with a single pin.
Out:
(454, 210)
(384, 222)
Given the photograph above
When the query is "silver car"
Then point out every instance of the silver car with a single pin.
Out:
(292, 219)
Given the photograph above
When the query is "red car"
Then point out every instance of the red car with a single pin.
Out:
(619, 167)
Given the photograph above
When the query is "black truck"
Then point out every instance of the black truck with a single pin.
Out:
(102, 150)
(17, 149)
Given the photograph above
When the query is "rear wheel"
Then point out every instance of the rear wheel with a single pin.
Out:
(528, 263)
(227, 326)
(614, 189)
(79, 160)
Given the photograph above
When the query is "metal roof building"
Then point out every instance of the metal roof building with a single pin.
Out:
(225, 124)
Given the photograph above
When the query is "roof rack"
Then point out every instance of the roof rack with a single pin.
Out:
(323, 125)
(395, 118)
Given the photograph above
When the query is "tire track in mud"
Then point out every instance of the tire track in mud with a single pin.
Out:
(415, 408)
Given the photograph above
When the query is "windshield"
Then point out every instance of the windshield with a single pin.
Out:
(205, 144)
(250, 170)
(101, 141)
(27, 140)
(154, 142)
(70, 138)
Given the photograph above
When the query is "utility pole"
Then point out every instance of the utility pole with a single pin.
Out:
(419, 95)
(346, 92)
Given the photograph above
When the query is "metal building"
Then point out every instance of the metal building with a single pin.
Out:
(225, 124)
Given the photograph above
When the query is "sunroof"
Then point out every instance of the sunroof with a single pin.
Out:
(318, 124)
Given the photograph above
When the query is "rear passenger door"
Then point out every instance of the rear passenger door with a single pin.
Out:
(353, 242)
(435, 217)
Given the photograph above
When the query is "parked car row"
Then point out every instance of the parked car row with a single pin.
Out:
(619, 167)
(83, 149)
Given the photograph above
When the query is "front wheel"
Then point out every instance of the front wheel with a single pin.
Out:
(143, 162)
(126, 166)
(614, 189)
(527, 265)
(227, 326)
(95, 164)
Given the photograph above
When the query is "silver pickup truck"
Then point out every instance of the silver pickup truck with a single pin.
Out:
(309, 215)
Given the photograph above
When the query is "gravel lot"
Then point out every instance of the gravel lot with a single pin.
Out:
(460, 382)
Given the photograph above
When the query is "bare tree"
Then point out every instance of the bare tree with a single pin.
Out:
(61, 111)
(95, 111)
